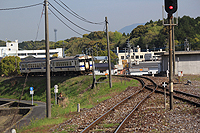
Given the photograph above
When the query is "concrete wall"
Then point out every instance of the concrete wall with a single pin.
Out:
(189, 63)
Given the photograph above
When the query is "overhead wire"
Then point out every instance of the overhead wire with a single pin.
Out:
(71, 12)
(64, 22)
(39, 24)
(75, 14)
(68, 19)
(21, 7)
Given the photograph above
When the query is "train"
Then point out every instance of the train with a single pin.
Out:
(79, 64)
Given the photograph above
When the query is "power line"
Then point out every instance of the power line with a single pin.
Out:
(39, 24)
(21, 7)
(76, 15)
(64, 22)
(69, 20)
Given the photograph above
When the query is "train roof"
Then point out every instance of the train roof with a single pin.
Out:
(66, 58)
(33, 60)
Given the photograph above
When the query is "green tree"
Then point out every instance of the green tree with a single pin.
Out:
(9, 65)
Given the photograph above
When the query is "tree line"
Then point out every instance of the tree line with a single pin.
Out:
(152, 35)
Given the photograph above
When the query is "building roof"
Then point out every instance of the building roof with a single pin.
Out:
(183, 53)
(101, 58)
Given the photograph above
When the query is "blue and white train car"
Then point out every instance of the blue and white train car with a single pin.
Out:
(79, 64)
(33, 66)
(68, 64)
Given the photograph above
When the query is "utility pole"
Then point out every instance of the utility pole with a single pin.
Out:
(170, 62)
(93, 68)
(186, 45)
(97, 48)
(129, 55)
(48, 85)
(108, 48)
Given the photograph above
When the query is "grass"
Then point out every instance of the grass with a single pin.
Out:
(74, 89)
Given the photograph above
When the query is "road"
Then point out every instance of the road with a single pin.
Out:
(36, 112)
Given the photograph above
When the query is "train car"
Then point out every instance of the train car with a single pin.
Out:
(68, 64)
(33, 66)
(79, 64)
(85, 62)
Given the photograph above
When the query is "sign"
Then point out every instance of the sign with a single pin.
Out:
(180, 73)
(31, 88)
(164, 84)
(31, 92)
(55, 90)
(56, 86)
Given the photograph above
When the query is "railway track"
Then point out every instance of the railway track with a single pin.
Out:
(150, 116)
(116, 117)
(186, 97)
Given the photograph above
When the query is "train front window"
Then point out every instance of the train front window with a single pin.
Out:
(89, 59)
(81, 60)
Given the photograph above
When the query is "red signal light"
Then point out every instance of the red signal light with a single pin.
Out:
(171, 7)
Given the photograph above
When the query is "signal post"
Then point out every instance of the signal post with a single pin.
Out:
(170, 8)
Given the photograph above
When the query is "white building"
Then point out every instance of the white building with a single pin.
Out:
(135, 56)
(11, 49)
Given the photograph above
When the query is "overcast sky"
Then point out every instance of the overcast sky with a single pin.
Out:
(22, 24)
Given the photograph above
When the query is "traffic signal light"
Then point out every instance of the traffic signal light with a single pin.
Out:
(170, 6)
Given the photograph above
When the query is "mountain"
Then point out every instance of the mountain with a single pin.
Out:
(128, 29)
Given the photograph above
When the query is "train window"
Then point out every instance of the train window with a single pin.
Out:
(31, 53)
(21, 54)
(122, 57)
(141, 56)
(41, 53)
(81, 60)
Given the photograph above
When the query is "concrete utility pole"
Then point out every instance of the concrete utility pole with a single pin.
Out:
(108, 48)
(48, 85)
(129, 55)
(97, 48)
(93, 68)
(170, 62)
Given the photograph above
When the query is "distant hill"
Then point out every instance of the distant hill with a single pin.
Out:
(128, 29)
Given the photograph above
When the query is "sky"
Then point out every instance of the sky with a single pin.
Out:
(22, 24)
